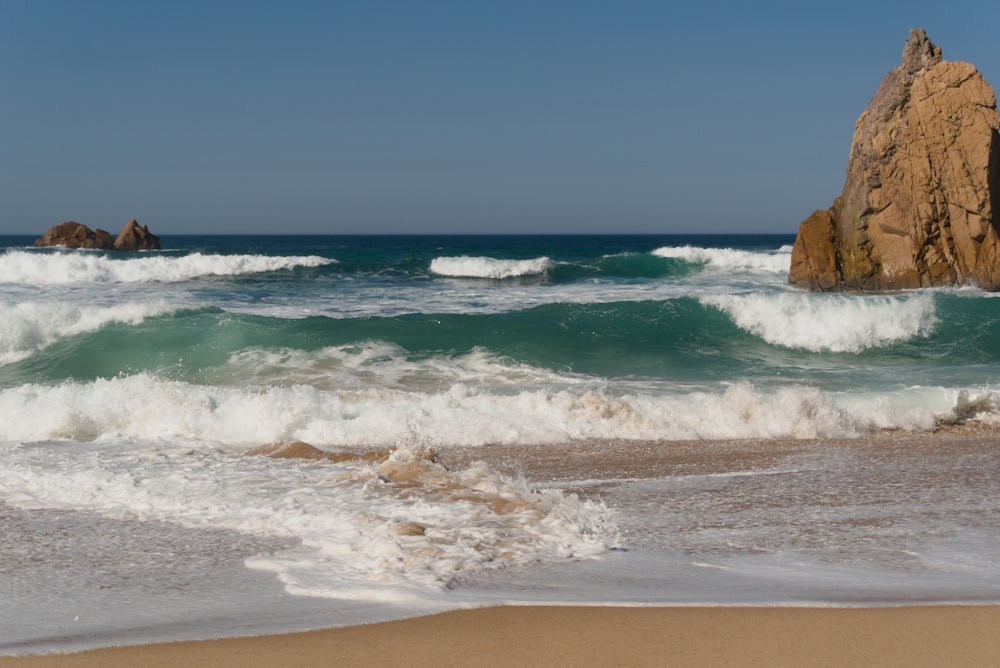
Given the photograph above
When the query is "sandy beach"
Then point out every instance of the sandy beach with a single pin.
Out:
(595, 636)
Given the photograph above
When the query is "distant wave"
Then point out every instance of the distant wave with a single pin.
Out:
(623, 266)
(730, 258)
(27, 267)
(839, 323)
(466, 266)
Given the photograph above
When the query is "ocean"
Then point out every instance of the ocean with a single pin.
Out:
(248, 434)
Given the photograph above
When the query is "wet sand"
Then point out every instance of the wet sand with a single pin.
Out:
(905, 635)
(598, 460)
(595, 636)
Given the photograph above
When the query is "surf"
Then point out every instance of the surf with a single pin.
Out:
(830, 323)
(488, 267)
(731, 259)
(76, 267)
(391, 526)
(375, 411)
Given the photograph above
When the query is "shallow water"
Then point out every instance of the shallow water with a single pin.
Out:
(887, 520)
(891, 518)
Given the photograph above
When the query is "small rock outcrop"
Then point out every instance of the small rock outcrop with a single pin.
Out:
(921, 203)
(133, 237)
(75, 235)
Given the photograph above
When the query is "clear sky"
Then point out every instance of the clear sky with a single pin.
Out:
(431, 116)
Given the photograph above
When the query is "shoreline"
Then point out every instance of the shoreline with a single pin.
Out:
(706, 636)
(215, 587)
(732, 588)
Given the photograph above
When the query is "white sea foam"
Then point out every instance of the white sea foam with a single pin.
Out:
(31, 326)
(377, 364)
(144, 447)
(381, 416)
(829, 323)
(72, 267)
(466, 266)
(384, 530)
(731, 259)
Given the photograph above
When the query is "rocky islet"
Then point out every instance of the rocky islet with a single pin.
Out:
(133, 237)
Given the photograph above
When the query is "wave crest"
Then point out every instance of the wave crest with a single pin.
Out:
(835, 323)
(776, 262)
(467, 266)
(369, 417)
(25, 267)
(28, 327)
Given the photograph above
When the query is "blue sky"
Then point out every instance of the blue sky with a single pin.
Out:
(438, 117)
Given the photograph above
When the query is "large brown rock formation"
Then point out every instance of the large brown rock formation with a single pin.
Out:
(921, 204)
(133, 237)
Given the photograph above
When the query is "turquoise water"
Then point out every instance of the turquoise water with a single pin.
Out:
(651, 317)
(137, 388)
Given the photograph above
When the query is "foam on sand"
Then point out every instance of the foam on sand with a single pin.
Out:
(387, 528)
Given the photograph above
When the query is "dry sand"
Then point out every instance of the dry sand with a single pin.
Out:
(595, 636)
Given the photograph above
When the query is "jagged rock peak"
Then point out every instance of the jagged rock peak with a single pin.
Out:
(919, 54)
(135, 237)
(920, 205)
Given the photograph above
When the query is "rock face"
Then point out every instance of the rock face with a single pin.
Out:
(921, 204)
(133, 237)
(75, 235)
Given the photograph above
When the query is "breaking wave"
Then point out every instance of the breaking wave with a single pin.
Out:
(144, 406)
(487, 267)
(28, 327)
(25, 267)
(776, 262)
(830, 323)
